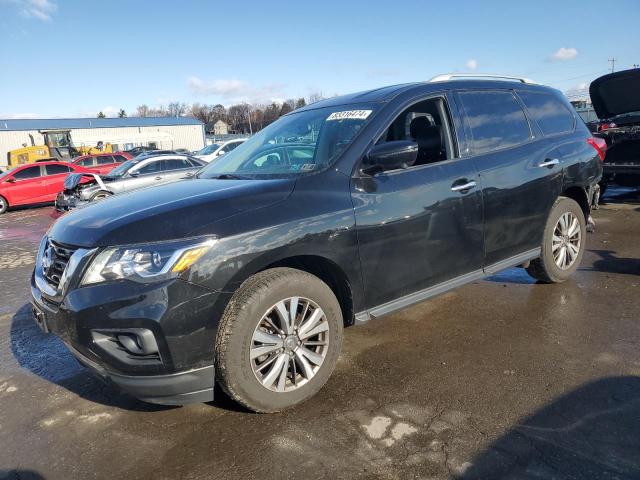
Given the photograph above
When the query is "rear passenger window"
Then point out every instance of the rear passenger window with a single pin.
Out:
(496, 120)
(548, 111)
(56, 169)
(105, 159)
(176, 164)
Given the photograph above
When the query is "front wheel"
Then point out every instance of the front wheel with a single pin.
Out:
(563, 243)
(4, 205)
(100, 196)
(278, 340)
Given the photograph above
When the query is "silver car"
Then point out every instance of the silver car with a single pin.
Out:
(133, 174)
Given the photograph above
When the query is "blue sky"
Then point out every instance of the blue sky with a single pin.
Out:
(62, 58)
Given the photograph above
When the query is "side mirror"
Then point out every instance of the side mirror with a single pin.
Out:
(134, 174)
(10, 180)
(221, 152)
(390, 156)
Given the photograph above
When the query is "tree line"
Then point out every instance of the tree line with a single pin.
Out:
(240, 118)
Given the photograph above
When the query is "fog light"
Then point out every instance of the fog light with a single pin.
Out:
(134, 341)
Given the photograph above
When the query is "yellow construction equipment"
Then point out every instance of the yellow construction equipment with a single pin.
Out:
(57, 146)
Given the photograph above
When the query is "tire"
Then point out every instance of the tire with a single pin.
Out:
(248, 314)
(101, 195)
(4, 205)
(552, 267)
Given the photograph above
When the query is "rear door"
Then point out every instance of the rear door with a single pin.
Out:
(104, 164)
(28, 186)
(177, 168)
(55, 175)
(520, 172)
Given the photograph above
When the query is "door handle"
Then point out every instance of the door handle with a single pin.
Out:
(158, 178)
(549, 162)
(464, 187)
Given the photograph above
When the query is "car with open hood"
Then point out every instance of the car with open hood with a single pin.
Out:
(344, 210)
(616, 100)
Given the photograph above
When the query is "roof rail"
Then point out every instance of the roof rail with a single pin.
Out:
(489, 76)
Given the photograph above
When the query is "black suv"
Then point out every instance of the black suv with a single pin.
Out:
(347, 209)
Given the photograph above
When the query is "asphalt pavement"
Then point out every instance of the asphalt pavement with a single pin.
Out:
(503, 378)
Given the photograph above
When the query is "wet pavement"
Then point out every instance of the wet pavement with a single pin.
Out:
(503, 378)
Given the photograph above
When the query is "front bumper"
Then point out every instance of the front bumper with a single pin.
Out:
(65, 202)
(180, 316)
(193, 386)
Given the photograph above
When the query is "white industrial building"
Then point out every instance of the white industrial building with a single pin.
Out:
(165, 133)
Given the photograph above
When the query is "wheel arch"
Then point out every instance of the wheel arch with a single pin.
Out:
(327, 271)
(580, 196)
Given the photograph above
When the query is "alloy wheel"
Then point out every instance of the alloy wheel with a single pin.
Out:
(566, 241)
(289, 344)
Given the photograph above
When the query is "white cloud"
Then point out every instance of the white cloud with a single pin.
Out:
(233, 90)
(38, 9)
(471, 64)
(19, 116)
(563, 54)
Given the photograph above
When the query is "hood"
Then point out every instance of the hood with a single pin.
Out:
(166, 212)
(616, 93)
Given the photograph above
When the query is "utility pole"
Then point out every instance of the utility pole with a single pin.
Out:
(613, 64)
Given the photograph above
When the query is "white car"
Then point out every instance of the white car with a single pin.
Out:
(215, 150)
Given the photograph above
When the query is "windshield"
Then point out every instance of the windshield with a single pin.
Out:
(209, 149)
(295, 144)
(121, 169)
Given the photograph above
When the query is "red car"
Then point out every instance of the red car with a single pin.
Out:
(102, 163)
(34, 183)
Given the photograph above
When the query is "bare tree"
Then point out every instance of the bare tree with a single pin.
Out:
(142, 111)
(177, 109)
(315, 97)
(300, 102)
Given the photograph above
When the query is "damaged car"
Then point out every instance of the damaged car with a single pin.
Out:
(616, 101)
(130, 175)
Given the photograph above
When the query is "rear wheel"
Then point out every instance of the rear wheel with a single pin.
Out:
(4, 205)
(278, 340)
(563, 243)
(101, 195)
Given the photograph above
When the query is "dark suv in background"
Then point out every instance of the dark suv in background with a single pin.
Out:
(616, 100)
(344, 210)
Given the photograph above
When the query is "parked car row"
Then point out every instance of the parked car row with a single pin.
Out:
(141, 171)
(44, 182)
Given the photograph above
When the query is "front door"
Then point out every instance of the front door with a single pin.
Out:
(28, 186)
(420, 226)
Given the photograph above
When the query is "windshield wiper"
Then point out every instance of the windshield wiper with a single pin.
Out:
(229, 176)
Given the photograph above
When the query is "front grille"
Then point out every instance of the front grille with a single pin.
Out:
(57, 256)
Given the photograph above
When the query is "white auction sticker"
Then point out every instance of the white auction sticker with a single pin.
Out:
(350, 115)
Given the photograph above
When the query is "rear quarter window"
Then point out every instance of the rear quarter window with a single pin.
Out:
(496, 120)
(549, 112)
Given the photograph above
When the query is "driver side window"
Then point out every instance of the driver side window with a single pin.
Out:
(26, 173)
(427, 124)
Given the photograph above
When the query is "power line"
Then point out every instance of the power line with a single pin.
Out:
(613, 64)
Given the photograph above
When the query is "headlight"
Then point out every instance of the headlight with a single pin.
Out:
(149, 262)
